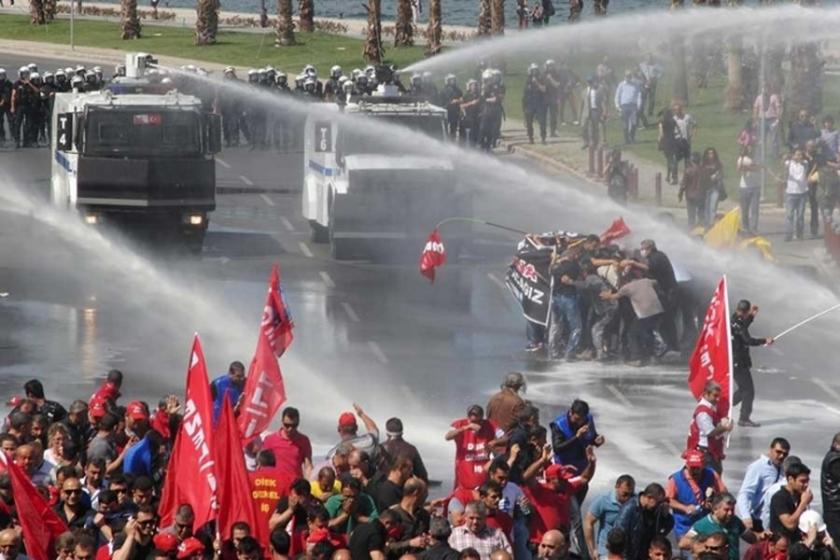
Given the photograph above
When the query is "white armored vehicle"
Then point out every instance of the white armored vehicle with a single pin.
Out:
(137, 153)
(365, 193)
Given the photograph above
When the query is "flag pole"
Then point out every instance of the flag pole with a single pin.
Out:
(805, 321)
(480, 222)
(729, 347)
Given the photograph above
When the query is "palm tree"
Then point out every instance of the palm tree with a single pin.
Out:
(36, 11)
(806, 78)
(207, 22)
(484, 11)
(306, 12)
(285, 26)
(129, 22)
(373, 50)
(735, 94)
(680, 81)
(435, 29)
(403, 28)
(497, 17)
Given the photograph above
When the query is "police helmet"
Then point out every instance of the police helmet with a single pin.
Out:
(299, 80)
(23, 72)
(362, 80)
(91, 78)
(342, 80)
(450, 79)
(282, 78)
(189, 68)
(487, 75)
(98, 71)
(533, 68)
(310, 70)
(253, 75)
(119, 70)
(347, 87)
(166, 80)
(35, 77)
(33, 68)
(427, 77)
(80, 70)
(370, 71)
(49, 77)
(60, 72)
(549, 63)
(416, 79)
(335, 72)
(355, 74)
(2, 73)
(69, 70)
(230, 70)
(77, 80)
(309, 83)
(471, 83)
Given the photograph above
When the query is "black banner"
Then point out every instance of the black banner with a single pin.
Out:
(529, 281)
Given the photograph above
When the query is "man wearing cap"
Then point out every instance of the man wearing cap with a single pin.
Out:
(472, 436)
(722, 519)
(689, 491)
(109, 391)
(292, 449)
(191, 548)
(743, 317)
(760, 475)
(348, 431)
(504, 406)
(707, 430)
(395, 446)
(552, 499)
(228, 386)
(166, 543)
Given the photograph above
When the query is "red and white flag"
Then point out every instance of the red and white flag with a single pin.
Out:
(191, 473)
(38, 522)
(264, 391)
(617, 230)
(433, 256)
(277, 322)
(235, 502)
(712, 356)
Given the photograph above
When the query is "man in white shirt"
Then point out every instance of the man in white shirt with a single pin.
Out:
(796, 194)
(628, 101)
(750, 188)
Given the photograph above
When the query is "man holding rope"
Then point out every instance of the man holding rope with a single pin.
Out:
(743, 317)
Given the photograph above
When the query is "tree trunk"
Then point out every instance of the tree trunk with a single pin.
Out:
(206, 23)
(403, 28)
(36, 11)
(49, 10)
(680, 83)
(306, 11)
(734, 74)
(435, 29)
(484, 17)
(497, 17)
(806, 79)
(129, 21)
(263, 14)
(285, 26)
(373, 50)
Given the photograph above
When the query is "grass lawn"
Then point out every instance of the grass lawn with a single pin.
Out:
(240, 49)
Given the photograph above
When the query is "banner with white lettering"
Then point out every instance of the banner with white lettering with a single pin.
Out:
(191, 473)
(712, 356)
(529, 281)
(264, 391)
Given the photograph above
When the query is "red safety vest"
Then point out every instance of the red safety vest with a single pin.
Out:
(715, 443)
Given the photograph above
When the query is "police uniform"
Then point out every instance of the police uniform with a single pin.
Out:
(534, 105)
(741, 361)
(5, 107)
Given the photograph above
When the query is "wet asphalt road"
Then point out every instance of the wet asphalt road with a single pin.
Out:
(378, 334)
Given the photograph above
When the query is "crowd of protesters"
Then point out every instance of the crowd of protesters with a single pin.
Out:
(519, 492)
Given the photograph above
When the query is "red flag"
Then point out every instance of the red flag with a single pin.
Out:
(433, 256)
(712, 356)
(617, 230)
(264, 391)
(40, 524)
(235, 503)
(277, 322)
(191, 474)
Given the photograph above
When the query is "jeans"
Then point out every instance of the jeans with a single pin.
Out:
(520, 539)
(628, 118)
(696, 212)
(599, 332)
(712, 198)
(534, 332)
(745, 393)
(565, 308)
(750, 199)
(576, 533)
(641, 336)
(795, 214)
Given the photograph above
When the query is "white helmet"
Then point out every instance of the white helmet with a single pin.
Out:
(342, 80)
(23, 71)
(549, 63)
(310, 70)
(487, 75)
(97, 70)
(533, 68)
(80, 69)
(355, 73)
(77, 81)
(48, 76)
(230, 70)
(450, 79)
(60, 72)
(427, 76)
(68, 70)
(3, 72)
(32, 67)
(416, 78)
(335, 71)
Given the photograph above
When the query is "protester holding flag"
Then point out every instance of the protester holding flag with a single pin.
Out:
(708, 429)
(743, 317)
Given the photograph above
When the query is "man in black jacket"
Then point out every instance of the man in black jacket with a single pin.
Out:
(743, 317)
(830, 488)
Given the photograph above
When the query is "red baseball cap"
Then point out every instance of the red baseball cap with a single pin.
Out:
(694, 459)
(97, 409)
(347, 420)
(557, 472)
(167, 542)
(190, 546)
(136, 411)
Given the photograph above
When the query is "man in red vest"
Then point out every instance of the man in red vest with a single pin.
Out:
(708, 429)
(472, 436)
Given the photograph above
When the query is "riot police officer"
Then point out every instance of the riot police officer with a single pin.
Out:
(332, 89)
(533, 102)
(492, 97)
(450, 99)
(229, 106)
(62, 85)
(48, 91)
(5, 105)
(22, 107)
(470, 107)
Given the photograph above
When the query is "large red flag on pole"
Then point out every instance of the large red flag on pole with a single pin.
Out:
(712, 356)
(38, 522)
(191, 473)
(277, 322)
(235, 502)
(264, 391)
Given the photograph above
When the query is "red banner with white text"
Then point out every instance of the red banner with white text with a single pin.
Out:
(712, 356)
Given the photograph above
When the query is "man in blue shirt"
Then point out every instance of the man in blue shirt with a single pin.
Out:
(628, 100)
(760, 475)
(230, 385)
(604, 511)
